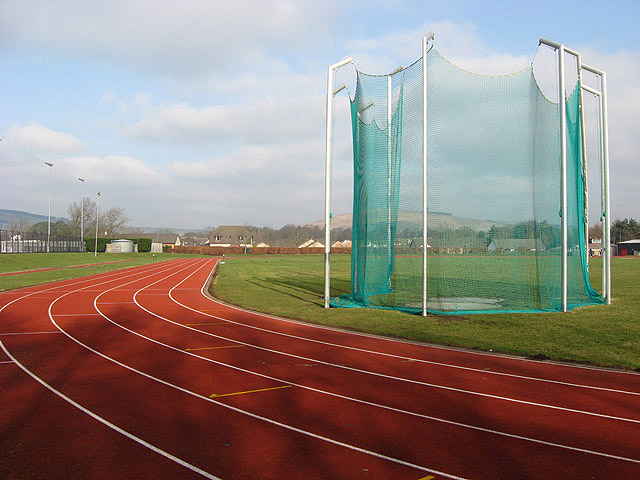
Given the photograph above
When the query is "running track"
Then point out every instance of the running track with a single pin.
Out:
(138, 374)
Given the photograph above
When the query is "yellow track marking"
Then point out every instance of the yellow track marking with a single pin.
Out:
(215, 395)
(212, 348)
(428, 477)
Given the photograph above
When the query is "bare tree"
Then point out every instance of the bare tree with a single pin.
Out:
(113, 221)
(21, 225)
(74, 210)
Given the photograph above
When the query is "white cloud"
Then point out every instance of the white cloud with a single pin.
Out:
(185, 39)
(266, 121)
(38, 139)
(271, 164)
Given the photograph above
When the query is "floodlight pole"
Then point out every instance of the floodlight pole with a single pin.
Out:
(82, 212)
(327, 179)
(425, 44)
(50, 165)
(95, 253)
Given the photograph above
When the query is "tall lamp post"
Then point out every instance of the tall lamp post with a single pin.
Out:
(82, 212)
(95, 253)
(49, 216)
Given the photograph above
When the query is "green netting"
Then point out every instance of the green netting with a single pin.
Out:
(494, 239)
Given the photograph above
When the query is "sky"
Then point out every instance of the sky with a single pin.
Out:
(204, 112)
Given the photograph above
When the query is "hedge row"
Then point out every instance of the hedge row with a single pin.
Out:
(144, 244)
(218, 251)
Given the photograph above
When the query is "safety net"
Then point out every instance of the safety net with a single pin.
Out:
(494, 219)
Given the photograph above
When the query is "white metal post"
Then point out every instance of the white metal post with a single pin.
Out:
(82, 212)
(598, 95)
(425, 43)
(607, 206)
(327, 178)
(604, 154)
(389, 155)
(50, 165)
(389, 146)
(95, 253)
(563, 172)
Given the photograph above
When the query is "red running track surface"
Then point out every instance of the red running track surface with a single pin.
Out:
(138, 374)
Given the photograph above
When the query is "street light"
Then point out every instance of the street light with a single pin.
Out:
(49, 218)
(82, 212)
(95, 253)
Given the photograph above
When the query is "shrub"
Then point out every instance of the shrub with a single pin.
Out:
(90, 243)
(144, 244)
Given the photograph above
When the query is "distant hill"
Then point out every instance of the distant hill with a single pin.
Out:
(413, 219)
(9, 217)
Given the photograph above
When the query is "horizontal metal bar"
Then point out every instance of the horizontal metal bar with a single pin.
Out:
(429, 36)
(549, 43)
(399, 69)
(370, 104)
(557, 45)
(571, 52)
(591, 90)
(341, 63)
(340, 88)
(592, 70)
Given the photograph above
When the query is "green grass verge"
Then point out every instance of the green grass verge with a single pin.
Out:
(292, 286)
(69, 265)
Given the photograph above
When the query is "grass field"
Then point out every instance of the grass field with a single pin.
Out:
(292, 286)
(68, 265)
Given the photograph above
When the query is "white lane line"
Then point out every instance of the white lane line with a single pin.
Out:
(382, 375)
(238, 410)
(384, 354)
(87, 411)
(102, 420)
(6, 361)
(364, 402)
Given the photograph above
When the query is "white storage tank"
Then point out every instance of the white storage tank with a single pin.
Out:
(121, 246)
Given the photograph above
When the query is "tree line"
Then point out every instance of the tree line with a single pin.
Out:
(111, 222)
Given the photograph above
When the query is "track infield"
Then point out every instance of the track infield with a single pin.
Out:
(138, 374)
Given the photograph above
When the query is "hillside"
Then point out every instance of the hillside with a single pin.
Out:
(9, 217)
(413, 219)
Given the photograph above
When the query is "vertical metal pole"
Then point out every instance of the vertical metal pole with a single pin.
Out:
(82, 212)
(607, 217)
(49, 215)
(95, 253)
(603, 201)
(583, 144)
(425, 42)
(563, 171)
(389, 118)
(327, 180)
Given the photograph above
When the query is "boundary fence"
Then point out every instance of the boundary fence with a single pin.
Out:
(25, 242)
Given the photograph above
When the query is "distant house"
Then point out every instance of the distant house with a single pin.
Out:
(630, 247)
(516, 245)
(338, 244)
(166, 239)
(231, 235)
(311, 243)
